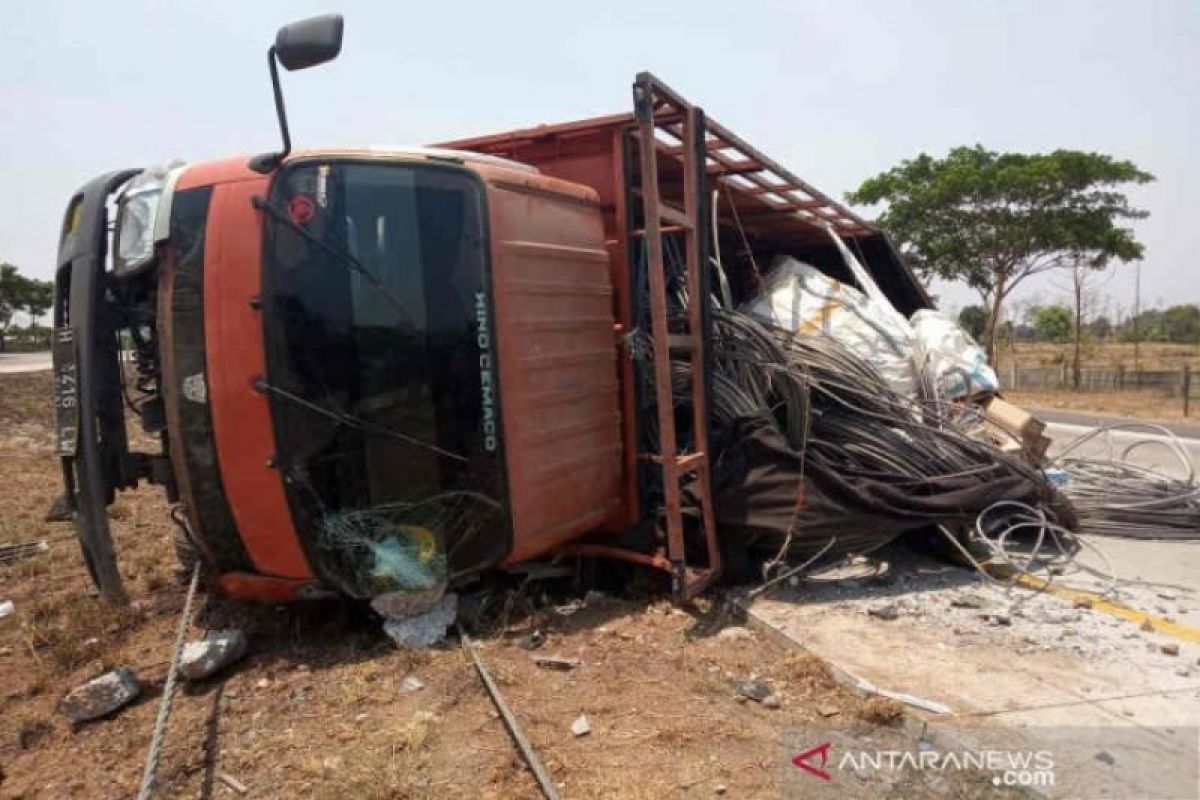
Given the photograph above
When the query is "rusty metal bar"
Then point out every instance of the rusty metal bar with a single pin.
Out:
(668, 109)
(674, 215)
(745, 167)
(737, 143)
(694, 165)
(710, 145)
(725, 140)
(780, 189)
(656, 559)
(643, 103)
(530, 755)
(663, 229)
(622, 147)
(693, 155)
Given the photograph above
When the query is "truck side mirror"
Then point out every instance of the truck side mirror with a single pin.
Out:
(309, 42)
(300, 45)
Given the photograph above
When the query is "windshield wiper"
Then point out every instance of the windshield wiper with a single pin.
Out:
(357, 423)
(350, 262)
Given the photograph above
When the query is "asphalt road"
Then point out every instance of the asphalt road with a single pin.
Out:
(1080, 418)
(24, 362)
(1154, 448)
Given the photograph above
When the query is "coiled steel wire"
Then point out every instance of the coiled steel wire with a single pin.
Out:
(836, 411)
(1115, 496)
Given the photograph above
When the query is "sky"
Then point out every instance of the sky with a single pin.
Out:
(837, 91)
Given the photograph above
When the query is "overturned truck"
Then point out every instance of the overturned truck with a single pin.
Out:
(383, 372)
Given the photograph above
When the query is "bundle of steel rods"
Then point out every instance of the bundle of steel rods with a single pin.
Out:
(813, 453)
(893, 462)
(1114, 496)
(831, 403)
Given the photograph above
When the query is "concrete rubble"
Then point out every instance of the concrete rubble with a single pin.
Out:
(735, 633)
(425, 629)
(409, 603)
(754, 690)
(232, 782)
(931, 598)
(206, 657)
(887, 611)
(101, 696)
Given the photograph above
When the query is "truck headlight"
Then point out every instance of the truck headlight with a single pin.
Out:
(143, 211)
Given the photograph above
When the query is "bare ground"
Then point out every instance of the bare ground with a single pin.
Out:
(318, 708)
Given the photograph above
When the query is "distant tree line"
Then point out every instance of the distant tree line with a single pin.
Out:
(1178, 324)
(21, 294)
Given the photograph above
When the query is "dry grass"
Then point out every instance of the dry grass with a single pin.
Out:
(318, 710)
(68, 629)
(1146, 405)
(386, 772)
(807, 669)
(1151, 355)
(1150, 405)
(880, 711)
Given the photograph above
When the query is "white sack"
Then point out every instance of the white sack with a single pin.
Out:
(958, 364)
(799, 297)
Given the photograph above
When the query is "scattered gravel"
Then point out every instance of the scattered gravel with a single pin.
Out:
(928, 593)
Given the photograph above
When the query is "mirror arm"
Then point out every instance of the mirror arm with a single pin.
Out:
(265, 163)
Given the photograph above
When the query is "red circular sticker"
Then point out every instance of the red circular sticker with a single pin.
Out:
(301, 209)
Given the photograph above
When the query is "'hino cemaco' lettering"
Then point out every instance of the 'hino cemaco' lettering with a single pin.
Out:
(487, 384)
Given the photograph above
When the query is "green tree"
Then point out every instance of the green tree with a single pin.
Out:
(1178, 324)
(1052, 323)
(14, 296)
(1101, 328)
(1181, 324)
(39, 299)
(973, 320)
(994, 219)
(19, 293)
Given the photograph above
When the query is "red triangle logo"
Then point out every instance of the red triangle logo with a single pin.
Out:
(802, 761)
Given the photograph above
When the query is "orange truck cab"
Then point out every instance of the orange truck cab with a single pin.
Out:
(418, 344)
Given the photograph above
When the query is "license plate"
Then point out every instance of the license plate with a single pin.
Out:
(66, 390)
